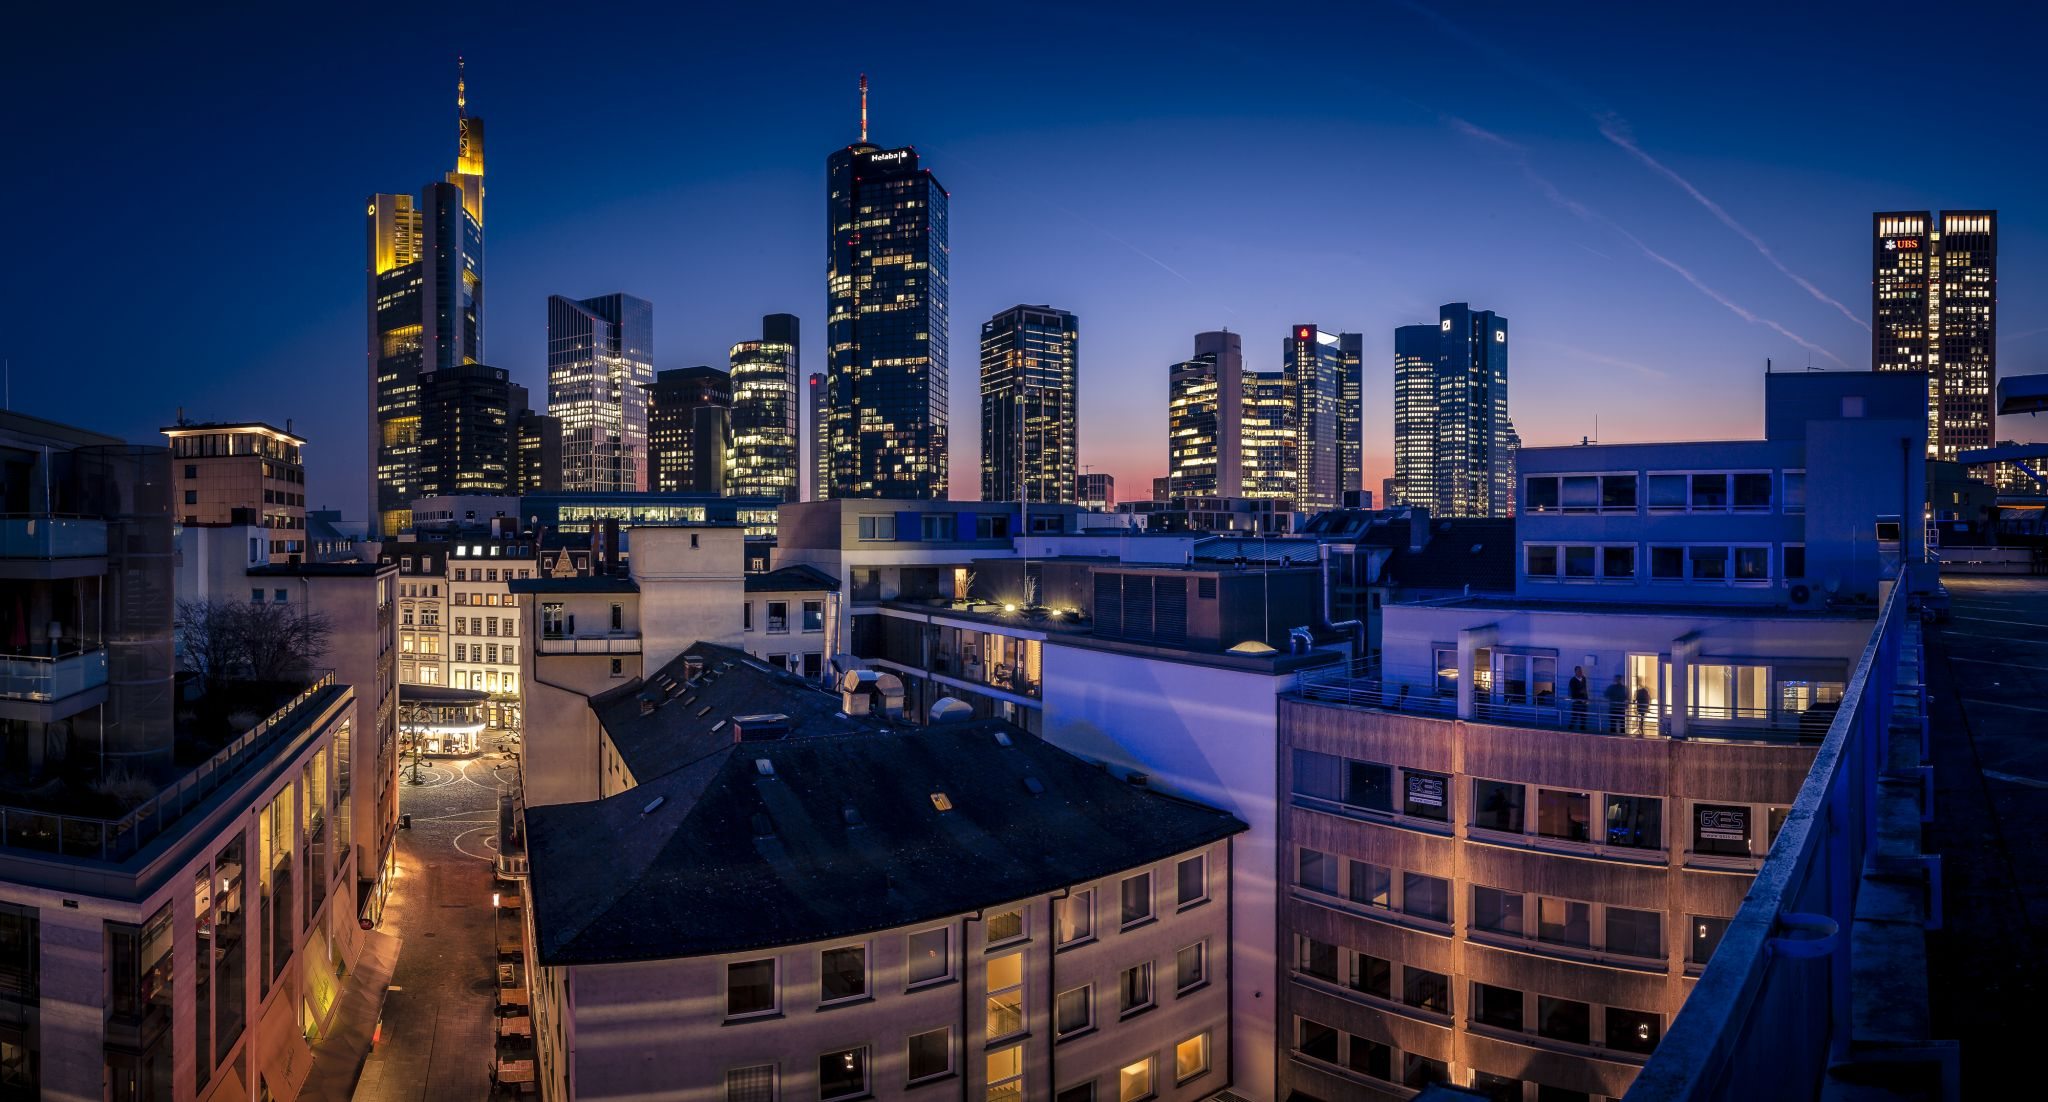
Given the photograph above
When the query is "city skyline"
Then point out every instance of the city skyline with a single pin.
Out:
(1588, 228)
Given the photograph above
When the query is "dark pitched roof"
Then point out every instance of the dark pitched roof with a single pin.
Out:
(838, 836)
(795, 578)
(319, 570)
(600, 583)
(1462, 551)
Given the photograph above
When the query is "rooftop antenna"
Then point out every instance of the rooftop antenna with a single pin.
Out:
(863, 109)
(461, 92)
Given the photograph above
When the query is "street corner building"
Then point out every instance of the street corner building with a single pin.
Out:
(792, 893)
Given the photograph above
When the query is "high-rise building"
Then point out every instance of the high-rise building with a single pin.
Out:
(536, 447)
(1204, 419)
(1351, 408)
(1326, 388)
(765, 456)
(820, 441)
(886, 323)
(1453, 440)
(1270, 440)
(1095, 490)
(465, 436)
(426, 310)
(241, 473)
(690, 423)
(1934, 308)
(1030, 405)
(600, 360)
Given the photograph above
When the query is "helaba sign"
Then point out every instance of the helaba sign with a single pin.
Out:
(889, 156)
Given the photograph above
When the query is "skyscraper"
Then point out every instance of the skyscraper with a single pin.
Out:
(765, 456)
(818, 432)
(690, 422)
(1030, 405)
(600, 360)
(536, 447)
(466, 434)
(1269, 446)
(886, 322)
(1933, 306)
(1325, 387)
(1204, 419)
(1453, 440)
(426, 310)
(1351, 426)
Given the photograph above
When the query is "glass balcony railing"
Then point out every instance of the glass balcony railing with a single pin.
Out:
(28, 677)
(33, 537)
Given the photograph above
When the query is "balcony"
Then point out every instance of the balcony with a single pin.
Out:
(45, 680)
(620, 643)
(44, 537)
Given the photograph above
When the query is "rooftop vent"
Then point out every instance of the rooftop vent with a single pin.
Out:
(1034, 786)
(652, 804)
(764, 767)
(948, 709)
(760, 728)
(1003, 739)
(941, 801)
(693, 666)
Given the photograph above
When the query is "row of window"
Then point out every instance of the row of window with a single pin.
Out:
(778, 616)
(494, 600)
(486, 652)
(1717, 563)
(489, 574)
(929, 1057)
(419, 589)
(1667, 492)
(1363, 1056)
(480, 625)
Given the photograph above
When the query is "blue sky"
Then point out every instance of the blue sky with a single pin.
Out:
(1658, 197)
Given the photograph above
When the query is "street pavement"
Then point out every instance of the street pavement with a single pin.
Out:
(438, 1032)
(1988, 683)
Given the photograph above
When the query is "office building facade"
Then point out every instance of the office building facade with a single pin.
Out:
(1453, 440)
(1096, 491)
(465, 435)
(1204, 419)
(886, 325)
(536, 447)
(690, 430)
(1351, 414)
(1270, 445)
(1030, 405)
(765, 457)
(245, 473)
(600, 362)
(816, 439)
(1327, 395)
(1934, 308)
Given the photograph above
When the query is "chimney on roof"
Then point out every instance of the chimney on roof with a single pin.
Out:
(693, 667)
(760, 728)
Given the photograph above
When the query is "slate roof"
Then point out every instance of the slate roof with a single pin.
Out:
(1462, 551)
(839, 837)
(795, 578)
(599, 583)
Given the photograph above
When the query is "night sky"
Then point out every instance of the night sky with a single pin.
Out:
(1657, 197)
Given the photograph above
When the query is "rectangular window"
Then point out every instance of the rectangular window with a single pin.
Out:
(1794, 557)
(1618, 493)
(1635, 822)
(1497, 805)
(937, 526)
(1315, 958)
(1667, 563)
(1191, 880)
(1425, 990)
(1369, 785)
(1134, 990)
(1618, 561)
(814, 615)
(1704, 938)
(1564, 922)
(1795, 491)
(1371, 885)
(1134, 1081)
(1191, 1058)
(750, 988)
(1318, 873)
(1540, 560)
(1497, 911)
(778, 617)
(1073, 1012)
(1635, 933)
(1005, 1003)
(1316, 1041)
(843, 1074)
(1005, 927)
(1633, 1030)
(1578, 562)
(1005, 1071)
(1499, 1007)
(1709, 492)
(1667, 493)
(1542, 496)
(1566, 815)
(1581, 493)
(1319, 776)
(1753, 491)
(1426, 896)
(1563, 1020)
(1137, 898)
(1752, 564)
(882, 527)
(1425, 795)
(928, 956)
(930, 1055)
(1372, 975)
(1371, 1058)
(1708, 564)
(1080, 1092)
(1190, 967)
(1721, 829)
(746, 615)
(1421, 1071)
(843, 974)
(751, 1084)
(1074, 918)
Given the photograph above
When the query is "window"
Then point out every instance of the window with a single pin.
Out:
(1191, 879)
(1137, 898)
(1421, 1071)
(1005, 927)
(1073, 1012)
(1499, 1007)
(1667, 493)
(746, 615)
(928, 957)
(1752, 564)
(1635, 822)
(1005, 996)
(1498, 806)
(930, 1056)
(1191, 1058)
(1372, 885)
(1369, 785)
(1134, 989)
(1190, 967)
(1635, 933)
(1525, 678)
(551, 618)
(751, 1084)
(1709, 492)
(1423, 795)
(1709, 564)
(1793, 555)
(882, 527)
(1542, 496)
(1633, 1030)
(1134, 1081)
(1320, 776)
(1318, 874)
(1705, 938)
(750, 988)
(1753, 491)
(618, 667)
(1618, 493)
(1496, 1088)
(1497, 911)
(1316, 1041)
(1795, 492)
(1578, 562)
(1563, 1019)
(843, 974)
(1564, 922)
(843, 1074)
(937, 526)
(778, 617)
(1080, 1092)
(1667, 563)
(1074, 918)
(1547, 1093)
(1315, 958)
(1372, 975)
(1563, 815)
(1426, 896)
(618, 619)
(1723, 691)
(1371, 1058)
(1721, 830)
(814, 615)
(1425, 990)
(1540, 560)
(1618, 561)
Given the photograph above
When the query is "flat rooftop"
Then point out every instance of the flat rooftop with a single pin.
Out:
(1508, 603)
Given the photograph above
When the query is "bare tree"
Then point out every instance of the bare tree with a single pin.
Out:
(226, 640)
(210, 640)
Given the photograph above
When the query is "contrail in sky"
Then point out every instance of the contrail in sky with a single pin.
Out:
(1615, 131)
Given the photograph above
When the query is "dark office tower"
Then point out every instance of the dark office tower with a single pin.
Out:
(1453, 441)
(536, 447)
(426, 311)
(765, 455)
(1324, 397)
(1204, 419)
(466, 440)
(1270, 441)
(886, 323)
(1934, 308)
(1351, 429)
(1030, 405)
(600, 362)
(689, 429)
(820, 439)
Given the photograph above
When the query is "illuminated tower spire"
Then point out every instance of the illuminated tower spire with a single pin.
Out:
(461, 95)
(863, 109)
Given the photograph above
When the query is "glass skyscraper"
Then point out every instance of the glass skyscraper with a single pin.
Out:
(1204, 419)
(765, 454)
(1030, 405)
(690, 430)
(1326, 391)
(886, 322)
(1454, 443)
(1934, 308)
(1270, 444)
(600, 362)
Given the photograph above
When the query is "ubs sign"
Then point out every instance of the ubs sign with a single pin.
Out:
(1892, 244)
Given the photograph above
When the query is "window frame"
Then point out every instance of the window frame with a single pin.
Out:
(867, 1076)
(1125, 921)
(910, 1078)
(990, 993)
(1085, 898)
(1180, 886)
(1059, 1001)
(912, 983)
(1181, 984)
(1149, 974)
(1182, 1078)
(774, 1006)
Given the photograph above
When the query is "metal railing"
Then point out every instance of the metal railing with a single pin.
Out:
(1771, 1011)
(588, 644)
(119, 839)
(31, 677)
(25, 536)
